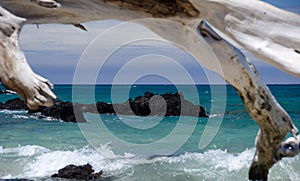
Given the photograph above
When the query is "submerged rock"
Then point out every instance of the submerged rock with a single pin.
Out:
(84, 172)
(146, 105)
(14, 104)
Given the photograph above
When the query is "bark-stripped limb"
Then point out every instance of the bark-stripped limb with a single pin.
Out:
(15, 73)
(245, 21)
(274, 122)
(269, 33)
(217, 54)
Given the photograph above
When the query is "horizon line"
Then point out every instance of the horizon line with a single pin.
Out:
(161, 84)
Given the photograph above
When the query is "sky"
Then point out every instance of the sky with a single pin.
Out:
(62, 52)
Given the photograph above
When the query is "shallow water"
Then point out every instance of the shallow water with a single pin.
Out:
(138, 148)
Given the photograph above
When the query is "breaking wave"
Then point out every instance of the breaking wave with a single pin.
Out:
(38, 162)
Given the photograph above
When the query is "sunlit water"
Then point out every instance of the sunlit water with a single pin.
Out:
(36, 148)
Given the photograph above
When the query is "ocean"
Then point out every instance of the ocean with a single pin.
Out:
(220, 147)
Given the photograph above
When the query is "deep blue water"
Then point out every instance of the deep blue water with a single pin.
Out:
(221, 146)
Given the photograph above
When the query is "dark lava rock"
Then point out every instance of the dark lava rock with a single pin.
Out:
(63, 111)
(14, 104)
(165, 105)
(104, 108)
(84, 172)
(155, 105)
(147, 105)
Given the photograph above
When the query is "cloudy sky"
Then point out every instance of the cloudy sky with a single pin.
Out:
(58, 51)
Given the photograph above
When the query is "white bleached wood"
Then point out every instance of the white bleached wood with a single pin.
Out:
(269, 33)
(274, 122)
(15, 73)
(229, 62)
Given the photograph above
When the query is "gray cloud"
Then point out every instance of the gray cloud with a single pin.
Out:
(54, 51)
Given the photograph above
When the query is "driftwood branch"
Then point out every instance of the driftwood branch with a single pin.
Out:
(238, 70)
(274, 122)
(240, 22)
(270, 33)
(47, 3)
(15, 72)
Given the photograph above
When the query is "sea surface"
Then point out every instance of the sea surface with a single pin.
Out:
(220, 147)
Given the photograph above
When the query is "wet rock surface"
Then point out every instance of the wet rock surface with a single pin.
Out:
(14, 104)
(84, 172)
(147, 105)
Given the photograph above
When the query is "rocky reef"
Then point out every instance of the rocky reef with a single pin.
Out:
(84, 172)
(147, 105)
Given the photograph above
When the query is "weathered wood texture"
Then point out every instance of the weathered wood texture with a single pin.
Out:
(160, 8)
(15, 73)
(242, 23)
(274, 122)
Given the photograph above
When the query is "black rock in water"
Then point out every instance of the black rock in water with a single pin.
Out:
(104, 108)
(147, 105)
(62, 111)
(162, 105)
(14, 104)
(84, 172)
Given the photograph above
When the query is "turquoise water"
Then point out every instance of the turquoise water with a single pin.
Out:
(220, 147)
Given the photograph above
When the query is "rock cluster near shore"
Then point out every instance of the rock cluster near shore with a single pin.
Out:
(84, 172)
(149, 104)
(13, 104)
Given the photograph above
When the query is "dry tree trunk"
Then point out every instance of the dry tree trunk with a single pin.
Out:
(274, 122)
(243, 22)
(15, 73)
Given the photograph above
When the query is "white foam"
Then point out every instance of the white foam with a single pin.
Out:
(39, 162)
(216, 115)
(39, 116)
(213, 160)
(5, 111)
(45, 162)
(23, 151)
(20, 117)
